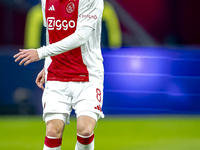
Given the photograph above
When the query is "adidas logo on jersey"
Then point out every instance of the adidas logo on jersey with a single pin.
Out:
(51, 8)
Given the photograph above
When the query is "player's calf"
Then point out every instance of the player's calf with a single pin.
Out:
(54, 132)
(85, 136)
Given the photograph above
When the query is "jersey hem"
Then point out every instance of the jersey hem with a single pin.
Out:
(69, 80)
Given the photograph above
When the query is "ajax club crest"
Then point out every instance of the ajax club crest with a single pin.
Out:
(70, 7)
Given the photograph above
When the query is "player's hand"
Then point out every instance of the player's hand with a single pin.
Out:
(26, 56)
(40, 80)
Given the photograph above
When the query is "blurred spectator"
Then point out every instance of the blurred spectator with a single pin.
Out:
(111, 30)
(34, 30)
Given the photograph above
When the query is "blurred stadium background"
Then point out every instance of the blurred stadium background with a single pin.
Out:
(151, 53)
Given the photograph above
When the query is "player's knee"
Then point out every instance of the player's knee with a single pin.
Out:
(85, 130)
(54, 130)
(85, 125)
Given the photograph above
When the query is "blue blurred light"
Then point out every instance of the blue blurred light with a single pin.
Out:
(136, 63)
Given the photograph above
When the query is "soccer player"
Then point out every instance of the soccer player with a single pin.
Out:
(73, 72)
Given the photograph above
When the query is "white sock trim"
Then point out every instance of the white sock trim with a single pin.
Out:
(50, 137)
(84, 136)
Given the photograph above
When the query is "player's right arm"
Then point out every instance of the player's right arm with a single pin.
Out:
(85, 26)
(40, 80)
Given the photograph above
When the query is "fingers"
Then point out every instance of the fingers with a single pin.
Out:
(24, 61)
(16, 55)
(19, 56)
(27, 62)
(26, 56)
(40, 83)
(37, 80)
(22, 54)
(40, 80)
(42, 87)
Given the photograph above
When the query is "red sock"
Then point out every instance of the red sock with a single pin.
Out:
(52, 142)
(85, 140)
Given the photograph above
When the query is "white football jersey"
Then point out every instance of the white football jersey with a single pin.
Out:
(73, 51)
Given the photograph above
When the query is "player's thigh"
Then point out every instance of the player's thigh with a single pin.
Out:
(85, 125)
(88, 100)
(56, 102)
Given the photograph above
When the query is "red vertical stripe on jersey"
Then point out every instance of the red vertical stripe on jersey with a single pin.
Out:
(62, 19)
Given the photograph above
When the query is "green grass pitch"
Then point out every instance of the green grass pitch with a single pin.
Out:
(111, 133)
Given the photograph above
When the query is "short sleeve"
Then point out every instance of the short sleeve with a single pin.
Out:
(90, 12)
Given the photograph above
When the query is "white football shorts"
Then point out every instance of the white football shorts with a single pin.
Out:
(59, 98)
